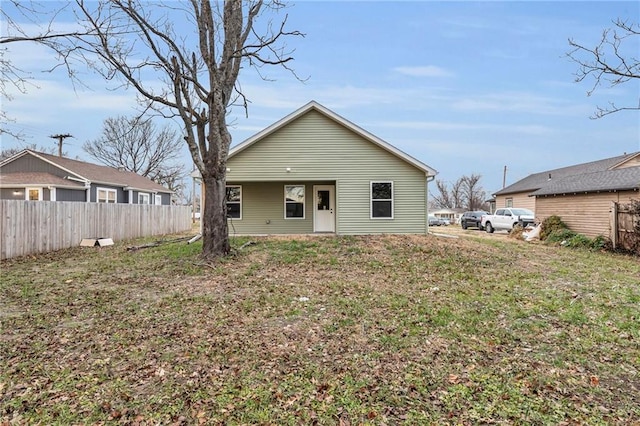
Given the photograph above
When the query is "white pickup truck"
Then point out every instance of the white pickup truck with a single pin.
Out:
(507, 218)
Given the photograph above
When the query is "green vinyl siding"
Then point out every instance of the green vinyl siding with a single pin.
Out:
(263, 210)
(315, 149)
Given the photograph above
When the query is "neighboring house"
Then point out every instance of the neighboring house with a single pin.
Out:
(31, 175)
(581, 194)
(453, 215)
(316, 172)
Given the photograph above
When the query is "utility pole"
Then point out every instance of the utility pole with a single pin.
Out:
(60, 139)
(504, 177)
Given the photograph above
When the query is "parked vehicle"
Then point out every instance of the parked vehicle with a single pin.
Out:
(434, 221)
(472, 219)
(507, 218)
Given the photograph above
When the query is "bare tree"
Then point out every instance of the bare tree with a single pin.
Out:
(138, 146)
(11, 76)
(441, 199)
(147, 47)
(448, 198)
(609, 63)
(465, 193)
(472, 192)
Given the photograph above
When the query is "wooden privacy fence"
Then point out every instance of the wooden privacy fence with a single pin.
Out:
(28, 227)
(623, 221)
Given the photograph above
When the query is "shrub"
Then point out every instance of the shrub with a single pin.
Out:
(551, 225)
(559, 235)
(601, 243)
(568, 238)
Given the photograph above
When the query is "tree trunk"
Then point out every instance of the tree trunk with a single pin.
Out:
(215, 231)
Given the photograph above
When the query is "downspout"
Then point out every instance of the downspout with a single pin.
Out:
(426, 202)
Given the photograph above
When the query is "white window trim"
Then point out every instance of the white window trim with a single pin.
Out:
(371, 200)
(40, 193)
(304, 201)
(98, 189)
(508, 202)
(144, 195)
(157, 199)
(234, 202)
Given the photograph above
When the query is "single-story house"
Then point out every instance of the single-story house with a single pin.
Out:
(313, 171)
(31, 175)
(581, 194)
(453, 215)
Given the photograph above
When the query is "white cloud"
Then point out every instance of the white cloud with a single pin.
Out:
(424, 71)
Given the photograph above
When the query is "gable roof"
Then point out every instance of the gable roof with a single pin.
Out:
(314, 106)
(20, 179)
(607, 180)
(94, 173)
(566, 179)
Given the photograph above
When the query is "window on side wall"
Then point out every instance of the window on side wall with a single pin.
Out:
(381, 200)
(33, 194)
(158, 200)
(294, 201)
(508, 202)
(105, 195)
(234, 201)
(144, 198)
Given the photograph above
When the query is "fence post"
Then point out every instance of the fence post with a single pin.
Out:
(614, 224)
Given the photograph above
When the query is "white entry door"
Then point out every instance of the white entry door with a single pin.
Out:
(324, 200)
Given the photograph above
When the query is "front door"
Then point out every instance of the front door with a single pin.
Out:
(324, 200)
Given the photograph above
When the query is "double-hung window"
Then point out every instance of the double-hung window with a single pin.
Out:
(234, 201)
(106, 195)
(144, 198)
(294, 201)
(382, 200)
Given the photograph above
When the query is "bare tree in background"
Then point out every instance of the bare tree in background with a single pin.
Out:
(446, 198)
(465, 193)
(613, 61)
(473, 195)
(11, 76)
(139, 146)
(146, 46)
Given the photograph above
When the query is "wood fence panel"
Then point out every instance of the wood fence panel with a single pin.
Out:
(28, 227)
(625, 232)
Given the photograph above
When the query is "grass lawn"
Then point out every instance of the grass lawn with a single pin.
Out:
(322, 330)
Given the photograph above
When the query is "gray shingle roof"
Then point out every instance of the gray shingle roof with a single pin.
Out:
(32, 178)
(562, 180)
(608, 180)
(103, 174)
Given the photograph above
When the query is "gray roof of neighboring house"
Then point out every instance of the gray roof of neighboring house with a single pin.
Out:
(96, 173)
(552, 180)
(608, 180)
(33, 178)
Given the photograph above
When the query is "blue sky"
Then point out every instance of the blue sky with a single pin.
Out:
(465, 87)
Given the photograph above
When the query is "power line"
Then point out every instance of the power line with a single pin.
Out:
(60, 138)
